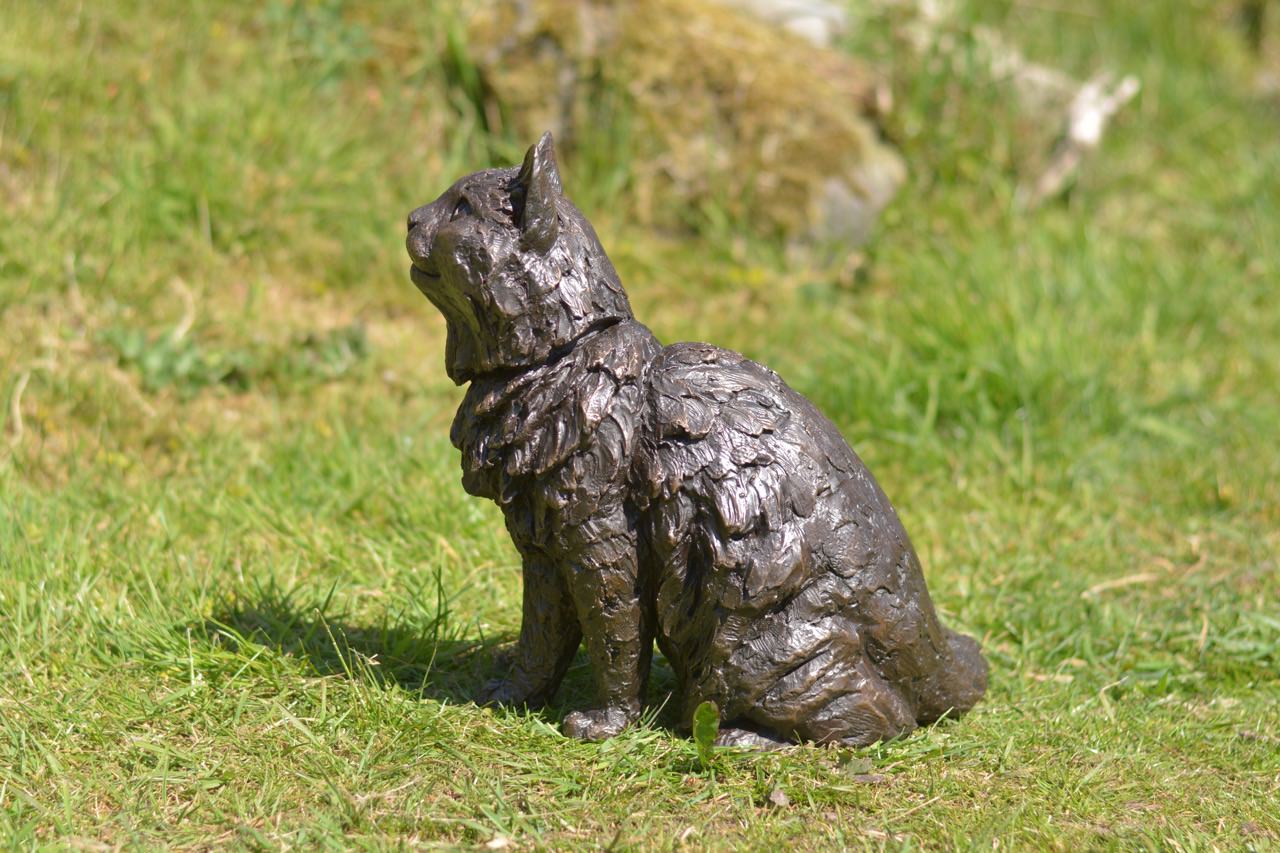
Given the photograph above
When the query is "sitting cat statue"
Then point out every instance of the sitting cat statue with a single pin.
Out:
(680, 494)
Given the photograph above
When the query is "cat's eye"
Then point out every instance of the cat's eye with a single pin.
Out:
(462, 208)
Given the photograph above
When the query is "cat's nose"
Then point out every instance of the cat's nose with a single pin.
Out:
(419, 216)
(418, 244)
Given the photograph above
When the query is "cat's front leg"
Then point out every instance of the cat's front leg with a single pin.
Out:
(549, 637)
(604, 584)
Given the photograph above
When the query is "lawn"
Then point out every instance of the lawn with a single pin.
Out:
(244, 599)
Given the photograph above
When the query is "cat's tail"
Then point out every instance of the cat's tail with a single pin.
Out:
(957, 685)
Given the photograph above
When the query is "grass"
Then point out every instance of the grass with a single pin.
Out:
(243, 599)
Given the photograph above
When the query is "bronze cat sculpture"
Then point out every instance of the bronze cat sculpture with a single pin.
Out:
(682, 494)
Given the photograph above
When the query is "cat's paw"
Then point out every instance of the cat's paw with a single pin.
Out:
(735, 738)
(598, 724)
(503, 691)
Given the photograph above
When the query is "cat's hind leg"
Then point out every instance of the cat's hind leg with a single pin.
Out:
(868, 710)
(832, 694)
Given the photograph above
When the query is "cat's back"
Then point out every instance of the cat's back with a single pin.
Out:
(769, 482)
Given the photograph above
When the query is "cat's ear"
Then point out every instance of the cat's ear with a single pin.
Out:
(537, 194)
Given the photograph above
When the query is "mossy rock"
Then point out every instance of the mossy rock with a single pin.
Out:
(710, 110)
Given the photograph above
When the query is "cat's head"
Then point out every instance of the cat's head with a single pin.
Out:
(516, 270)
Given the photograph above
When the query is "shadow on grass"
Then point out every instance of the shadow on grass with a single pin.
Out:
(414, 657)
(427, 657)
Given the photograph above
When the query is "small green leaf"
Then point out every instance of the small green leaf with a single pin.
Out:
(706, 725)
(852, 763)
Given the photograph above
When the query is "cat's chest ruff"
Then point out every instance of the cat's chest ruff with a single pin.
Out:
(525, 427)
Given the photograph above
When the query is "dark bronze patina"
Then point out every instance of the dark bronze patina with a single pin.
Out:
(682, 494)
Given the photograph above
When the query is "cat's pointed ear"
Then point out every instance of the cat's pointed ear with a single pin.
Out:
(538, 191)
